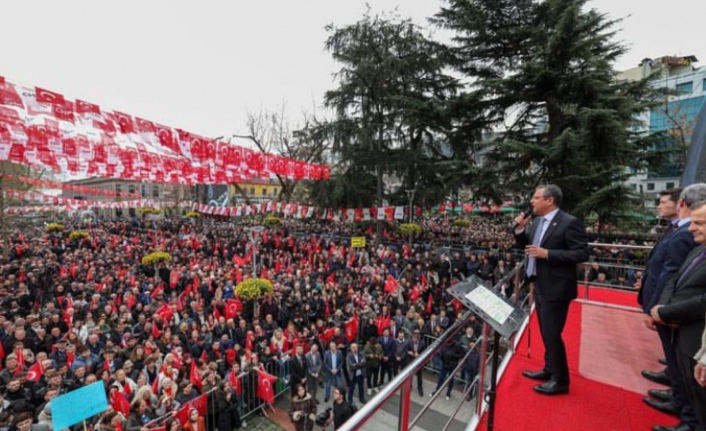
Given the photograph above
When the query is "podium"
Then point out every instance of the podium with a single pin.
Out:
(504, 317)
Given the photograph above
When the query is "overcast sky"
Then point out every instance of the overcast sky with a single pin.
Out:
(202, 65)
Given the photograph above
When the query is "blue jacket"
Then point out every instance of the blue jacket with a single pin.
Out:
(328, 362)
(666, 258)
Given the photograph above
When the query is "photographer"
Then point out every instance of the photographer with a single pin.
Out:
(342, 411)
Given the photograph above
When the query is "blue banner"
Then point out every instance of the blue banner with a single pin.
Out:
(75, 406)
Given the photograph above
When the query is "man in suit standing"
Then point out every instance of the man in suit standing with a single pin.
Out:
(682, 307)
(414, 349)
(651, 284)
(297, 369)
(667, 257)
(333, 363)
(314, 365)
(357, 365)
(388, 355)
(554, 244)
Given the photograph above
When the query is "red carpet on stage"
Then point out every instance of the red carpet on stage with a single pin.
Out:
(591, 405)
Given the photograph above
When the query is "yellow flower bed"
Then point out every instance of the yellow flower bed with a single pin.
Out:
(192, 214)
(78, 234)
(461, 222)
(146, 211)
(271, 221)
(253, 288)
(410, 229)
(55, 227)
(156, 258)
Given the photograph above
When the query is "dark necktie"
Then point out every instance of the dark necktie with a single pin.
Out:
(670, 228)
(689, 269)
(536, 240)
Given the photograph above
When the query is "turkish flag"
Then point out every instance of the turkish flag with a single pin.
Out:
(232, 308)
(155, 385)
(46, 96)
(85, 107)
(236, 382)
(165, 311)
(382, 322)
(327, 335)
(9, 96)
(351, 328)
(391, 284)
(35, 372)
(127, 125)
(195, 376)
(144, 126)
(119, 402)
(238, 260)
(174, 277)
(200, 403)
(64, 111)
(265, 387)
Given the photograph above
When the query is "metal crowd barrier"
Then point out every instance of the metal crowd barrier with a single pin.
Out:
(403, 383)
(616, 275)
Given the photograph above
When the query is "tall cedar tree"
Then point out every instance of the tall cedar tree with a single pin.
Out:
(390, 114)
(543, 73)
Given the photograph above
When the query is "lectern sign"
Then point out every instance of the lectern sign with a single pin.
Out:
(494, 306)
(496, 310)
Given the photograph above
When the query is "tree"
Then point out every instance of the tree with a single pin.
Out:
(390, 114)
(543, 72)
(10, 222)
(271, 132)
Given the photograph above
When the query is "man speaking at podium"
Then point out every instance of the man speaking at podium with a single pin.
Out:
(554, 244)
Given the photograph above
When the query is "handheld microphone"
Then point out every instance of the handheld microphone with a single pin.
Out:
(526, 214)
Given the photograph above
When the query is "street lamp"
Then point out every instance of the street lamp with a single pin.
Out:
(410, 195)
(253, 232)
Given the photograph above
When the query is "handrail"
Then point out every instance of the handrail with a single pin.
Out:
(367, 410)
(622, 246)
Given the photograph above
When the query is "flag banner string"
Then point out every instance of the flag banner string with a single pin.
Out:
(43, 129)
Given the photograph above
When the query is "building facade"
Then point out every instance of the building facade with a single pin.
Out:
(675, 118)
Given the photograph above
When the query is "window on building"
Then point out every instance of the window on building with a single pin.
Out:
(118, 188)
(143, 190)
(685, 87)
(634, 186)
(155, 191)
(264, 191)
(252, 191)
(131, 189)
(670, 185)
(650, 186)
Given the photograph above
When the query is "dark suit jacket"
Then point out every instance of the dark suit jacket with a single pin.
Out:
(297, 371)
(567, 242)
(684, 303)
(666, 258)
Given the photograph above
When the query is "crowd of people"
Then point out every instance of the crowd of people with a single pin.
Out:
(85, 310)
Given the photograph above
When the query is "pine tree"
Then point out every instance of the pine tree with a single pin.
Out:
(390, 113)
(544, 73)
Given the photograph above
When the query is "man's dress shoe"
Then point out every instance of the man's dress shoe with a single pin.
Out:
(551, 388)
(663, 406)
(537, 375)
(680, 427)
(657, 377)
(660, 394)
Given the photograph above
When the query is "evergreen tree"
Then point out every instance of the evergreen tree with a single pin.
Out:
(390, 114)
(543, 72)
